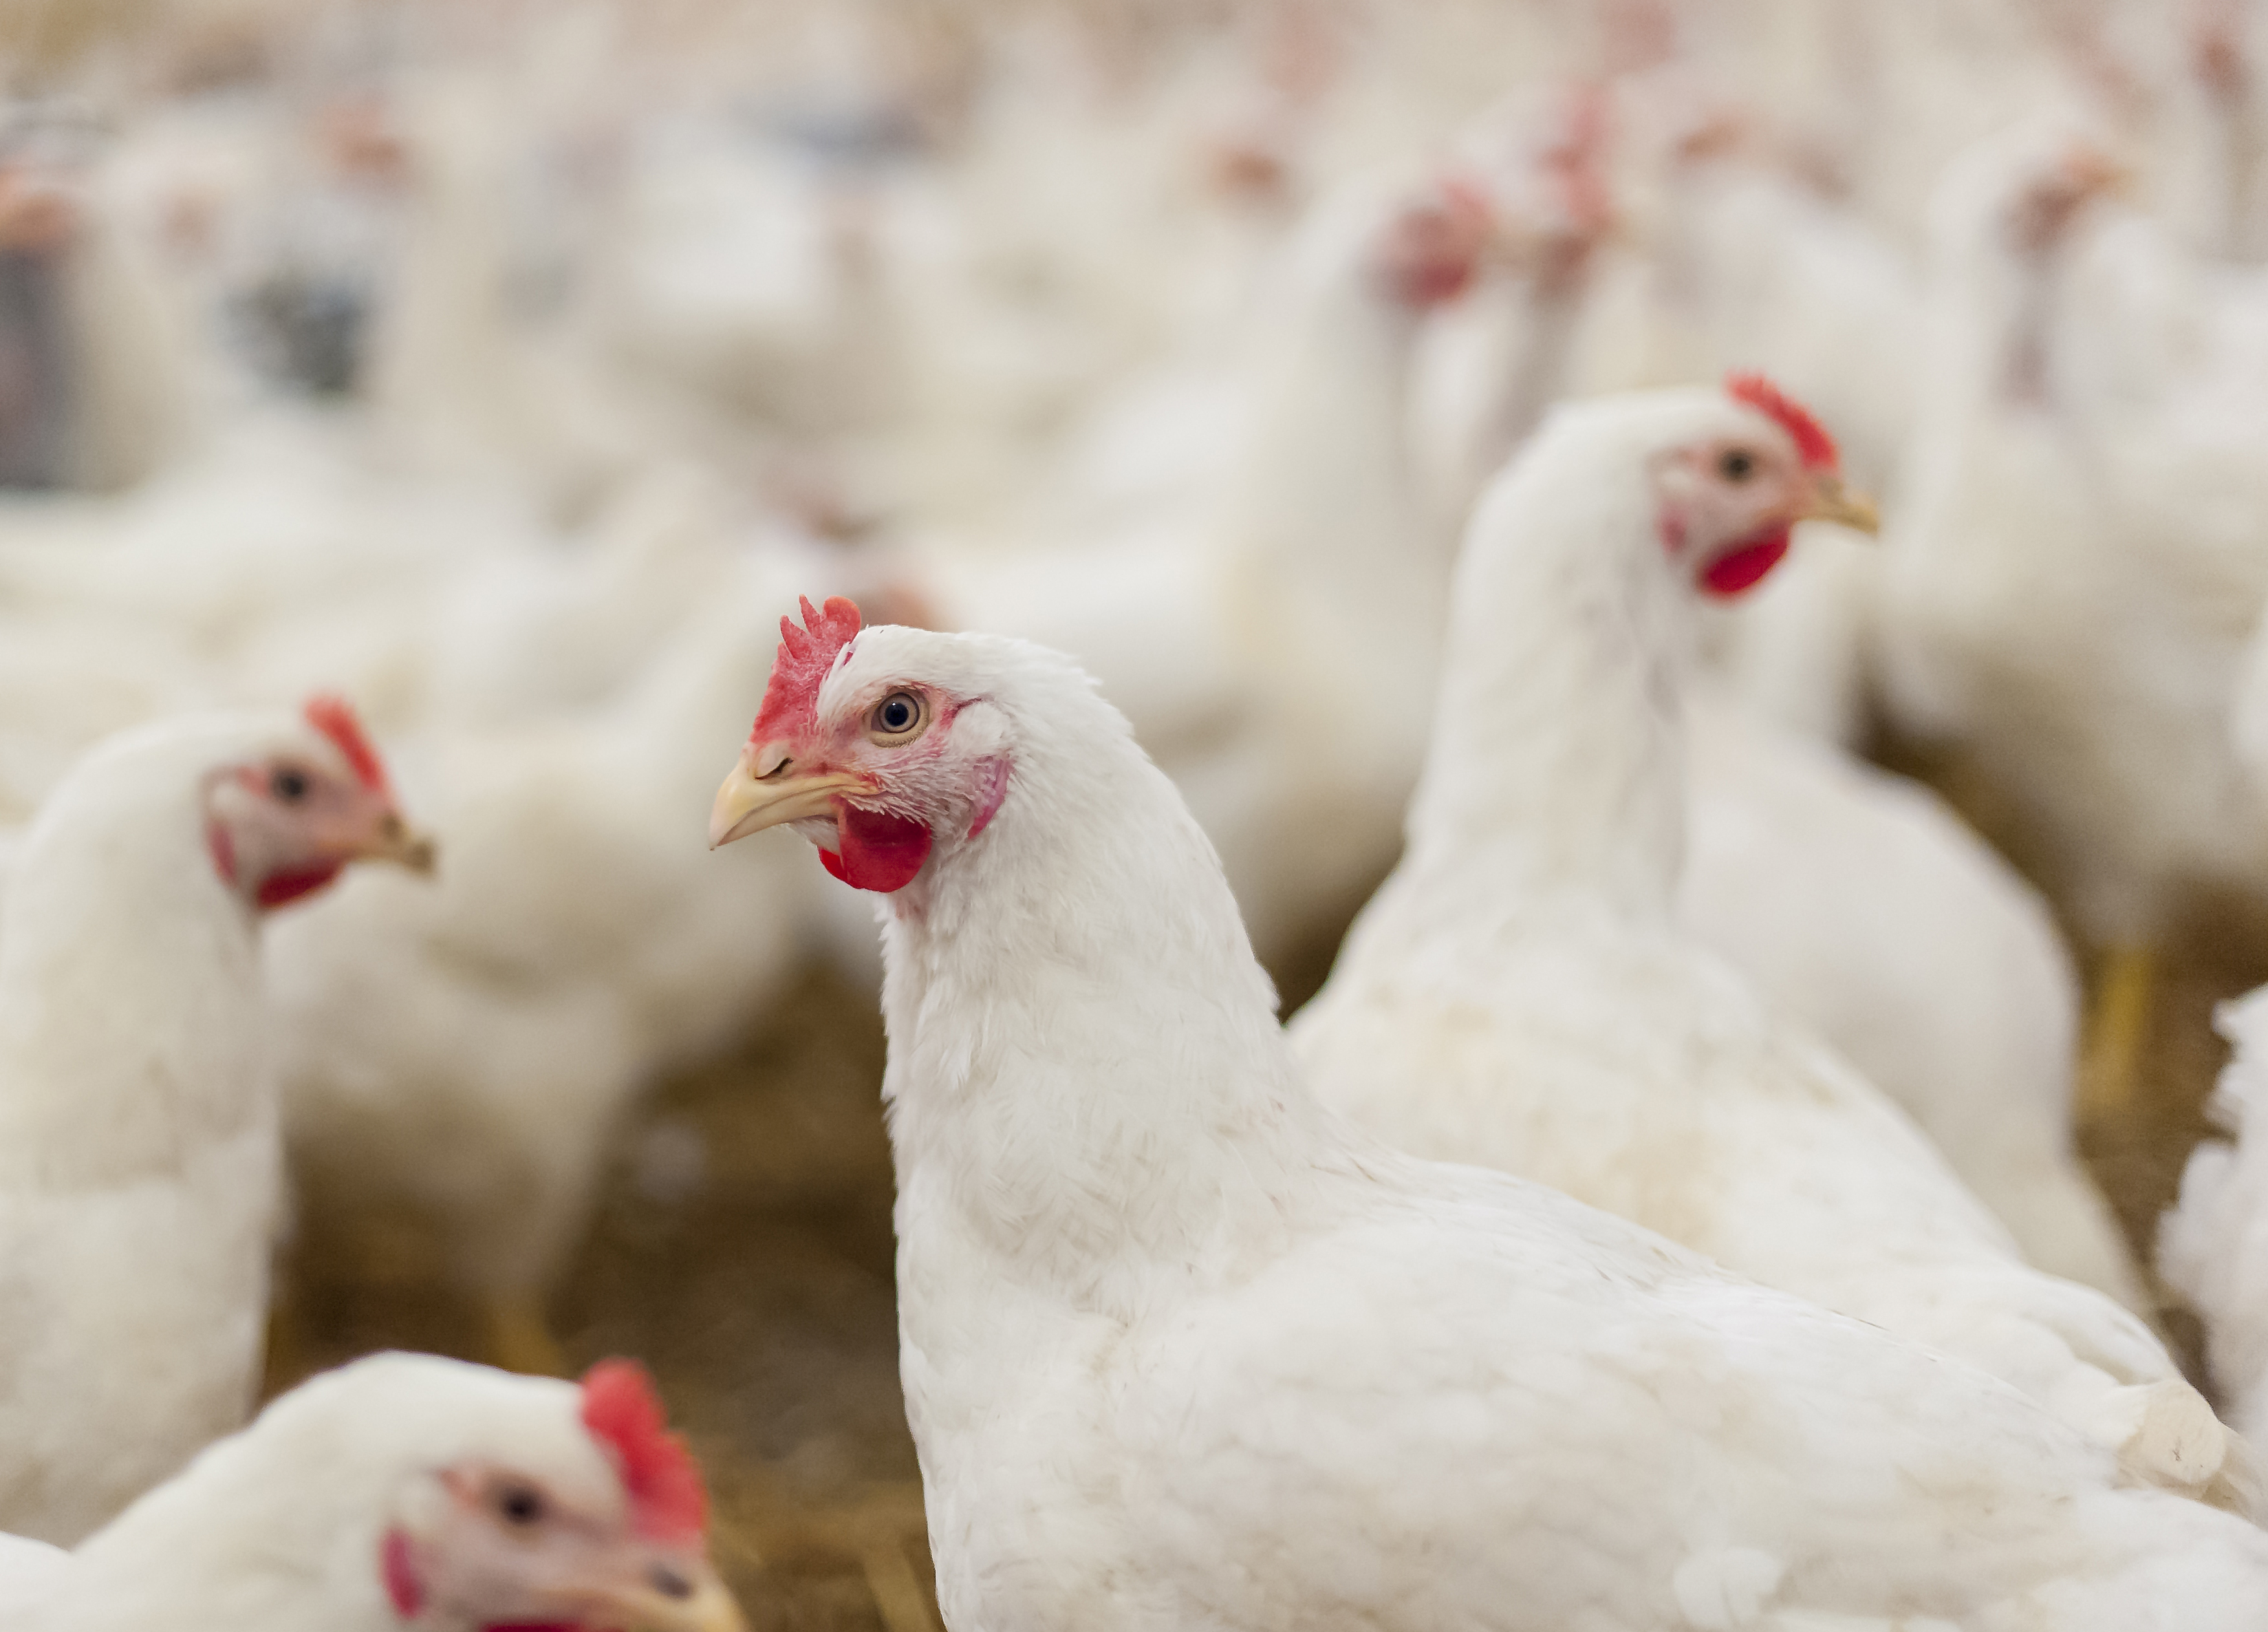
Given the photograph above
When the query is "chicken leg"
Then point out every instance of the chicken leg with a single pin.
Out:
(2118, 1032)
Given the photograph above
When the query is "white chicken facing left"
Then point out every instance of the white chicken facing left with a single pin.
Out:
(140, 1161)
(1182, 1349)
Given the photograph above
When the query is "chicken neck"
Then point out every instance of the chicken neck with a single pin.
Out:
(1556, 761)
(130, 983)
(1324, 507)
(1087, 1084)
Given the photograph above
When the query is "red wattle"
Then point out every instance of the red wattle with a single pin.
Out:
(399, 1571)
(1744, 567)
(279, 887)
(873, 851)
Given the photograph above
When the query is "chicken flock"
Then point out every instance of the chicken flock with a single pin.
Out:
(1779, 445)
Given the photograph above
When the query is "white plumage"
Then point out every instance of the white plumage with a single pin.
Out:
(2212, 1246)
(2078, 557)
(459, 1058)
(1230, 637)
(1861, 909)
(1180, 1348)
(1517, 994)
(141, 1185)
(374, 1496)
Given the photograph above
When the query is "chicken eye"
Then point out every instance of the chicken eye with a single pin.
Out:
(1736, 464)
(521, 1504)
(896, 716)
(291, 786)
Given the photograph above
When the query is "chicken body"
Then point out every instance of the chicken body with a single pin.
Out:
(1959, 1001)
(457, 1058)
(1228, 638)
(1861, 909)
(1518, 994)
(2082, 552)
(1180, 1348)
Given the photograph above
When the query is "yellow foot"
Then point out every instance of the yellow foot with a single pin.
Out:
(518, 1338)
(2118, 1032)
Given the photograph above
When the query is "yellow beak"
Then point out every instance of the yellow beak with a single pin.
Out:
(1845, 507)
(748, 803)
(680, 1598)
(398, 843)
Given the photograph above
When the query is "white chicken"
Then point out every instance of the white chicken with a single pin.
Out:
(2081, 555)
(140, 1187)
(1961, 1003)
(1518, 994)
(1229, 640)
(457, 1058)
(1180, 1348)
(406, 1490)
(2213, 1244)
(97, 380)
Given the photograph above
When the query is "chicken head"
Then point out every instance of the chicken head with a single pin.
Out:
(1727, 504)
(871, 769)
(285, 825)
(558, 1545)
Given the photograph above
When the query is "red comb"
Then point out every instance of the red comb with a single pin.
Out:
(668, 1500)
(806, 656)
(335, 716)
(1811, 438)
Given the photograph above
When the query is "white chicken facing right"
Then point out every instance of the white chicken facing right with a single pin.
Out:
(1520, 994)
(140, 1161)
(406, 1492)
(1183, 1350)
(2081, 555)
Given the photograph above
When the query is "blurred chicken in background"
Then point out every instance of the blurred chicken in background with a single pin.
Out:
(511, 368)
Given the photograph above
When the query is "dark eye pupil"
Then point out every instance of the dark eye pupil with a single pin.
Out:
(291, 786)
(897, 714)
(1736, 466)
(521, 1505)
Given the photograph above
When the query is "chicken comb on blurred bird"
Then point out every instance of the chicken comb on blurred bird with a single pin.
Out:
(335, 716)
(1813, 440)
(621, 1408)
